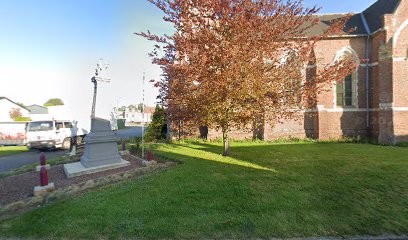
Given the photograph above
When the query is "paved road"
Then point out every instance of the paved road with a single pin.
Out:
(130, 132)
(9, 163)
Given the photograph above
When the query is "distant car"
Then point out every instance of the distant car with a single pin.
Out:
(51, 134)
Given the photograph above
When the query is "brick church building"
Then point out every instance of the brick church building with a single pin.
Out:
(373, 101)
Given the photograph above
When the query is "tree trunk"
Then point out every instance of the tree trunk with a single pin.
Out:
(226, 142)
(168, 132)
(258, 127)
(203, 132)
(179, 130)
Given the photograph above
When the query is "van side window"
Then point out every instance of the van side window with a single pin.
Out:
(58, 125)
(68, 124)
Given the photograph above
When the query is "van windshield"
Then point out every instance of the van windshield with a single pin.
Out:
(40, 126)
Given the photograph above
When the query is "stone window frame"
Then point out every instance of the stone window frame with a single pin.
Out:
(289, 53)
(398, 32)
(395, 41)
(347, 50)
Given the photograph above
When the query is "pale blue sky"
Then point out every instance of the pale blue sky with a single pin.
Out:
(48, 48)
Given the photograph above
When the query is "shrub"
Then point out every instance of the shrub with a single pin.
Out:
(402, 144)
(158, 126)
(134, 149)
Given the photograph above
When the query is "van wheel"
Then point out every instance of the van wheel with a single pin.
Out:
(66, 144)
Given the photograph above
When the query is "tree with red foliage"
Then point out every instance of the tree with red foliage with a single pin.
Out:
(15, 113)
(230, 63)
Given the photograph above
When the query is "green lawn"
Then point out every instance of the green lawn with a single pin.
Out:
(10, 150)
(263, 190)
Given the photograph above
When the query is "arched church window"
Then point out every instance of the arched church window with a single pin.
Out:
(293, 83)
(346, 91)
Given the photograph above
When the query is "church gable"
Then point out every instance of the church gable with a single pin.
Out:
(374, 13)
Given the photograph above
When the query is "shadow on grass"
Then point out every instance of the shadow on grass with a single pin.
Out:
(317, 190)
(353, 188)
(209, 154)
(323, 159)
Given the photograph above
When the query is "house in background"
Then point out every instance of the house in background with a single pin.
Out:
(38, 112)
(134, 116)
(7, 105)
(11, 131)
(37, 109)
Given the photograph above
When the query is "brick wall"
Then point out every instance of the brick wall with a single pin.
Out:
(323, 125)
(393, 78)
(326, 52)
(388, 90)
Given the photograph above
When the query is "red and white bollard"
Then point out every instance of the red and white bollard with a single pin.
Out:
(43, 176)
(43, 163)
(149, 156)
(42, 159)
(45, 187)
(124, 151)
(149, 161)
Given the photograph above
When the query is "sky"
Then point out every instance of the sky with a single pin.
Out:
(50, 48)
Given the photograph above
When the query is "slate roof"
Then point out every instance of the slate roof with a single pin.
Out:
(372, 16)
(37, 109)
(374, 12)
(354, 23)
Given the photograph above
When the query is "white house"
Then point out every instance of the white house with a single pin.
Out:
(132, 115)
(6, 106)
(11, 132)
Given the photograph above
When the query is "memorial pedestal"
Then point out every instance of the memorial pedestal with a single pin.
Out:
(101, 151)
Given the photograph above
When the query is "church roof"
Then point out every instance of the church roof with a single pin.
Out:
(379, 8)
(355, 25)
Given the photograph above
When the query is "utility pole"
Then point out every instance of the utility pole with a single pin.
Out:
(143, 108)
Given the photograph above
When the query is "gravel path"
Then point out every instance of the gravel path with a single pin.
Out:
(19, 187)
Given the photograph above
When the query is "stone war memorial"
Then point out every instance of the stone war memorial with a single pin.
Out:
(101, 150)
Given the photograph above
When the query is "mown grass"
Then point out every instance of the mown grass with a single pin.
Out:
(262, 190)
(10, 150)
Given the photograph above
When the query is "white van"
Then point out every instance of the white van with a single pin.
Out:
(50, 134)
